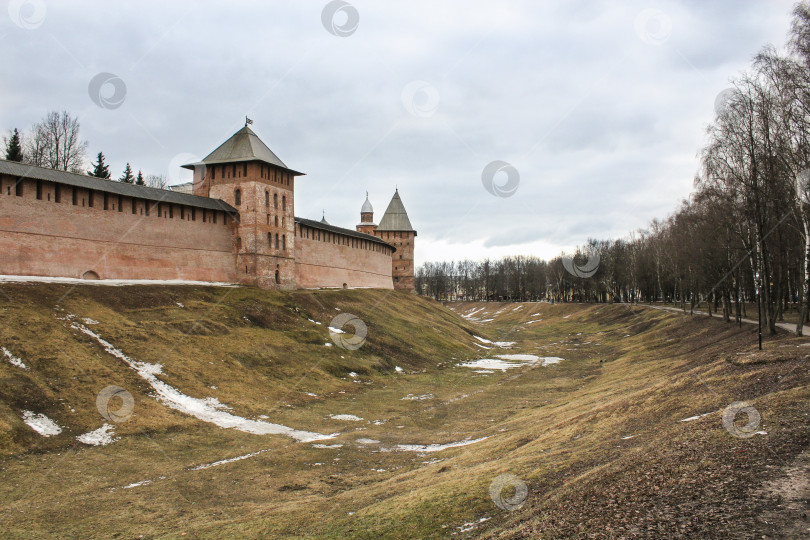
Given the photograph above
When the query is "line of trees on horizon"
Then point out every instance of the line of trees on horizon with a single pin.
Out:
(55, 143)
(743, 234)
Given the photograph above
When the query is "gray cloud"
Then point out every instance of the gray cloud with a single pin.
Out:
(602, 126)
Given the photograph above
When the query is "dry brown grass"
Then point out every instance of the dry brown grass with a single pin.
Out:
(598, 438)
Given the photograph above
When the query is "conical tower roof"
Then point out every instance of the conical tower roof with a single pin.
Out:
(395, 217)
(244, 145)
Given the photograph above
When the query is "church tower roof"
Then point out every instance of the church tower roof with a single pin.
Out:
(244, 145)
(395, 217)
(367, 208)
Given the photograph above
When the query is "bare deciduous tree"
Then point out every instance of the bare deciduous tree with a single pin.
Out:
(55, 143)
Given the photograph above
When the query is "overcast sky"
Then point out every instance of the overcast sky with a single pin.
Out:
(599, 107)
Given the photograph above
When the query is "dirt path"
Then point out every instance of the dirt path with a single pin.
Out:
(790, 327)
(792, 491)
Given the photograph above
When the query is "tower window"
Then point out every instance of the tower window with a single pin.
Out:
(213, 173)
(284, 242)
(57, 194)
(237, 197)
(18, 188)
(120, 203)
(75, 197)
(284, 203)
(270, 240)
(239, 244)
(275, 201)
(267, 198)
(276, 240)
(39, 190)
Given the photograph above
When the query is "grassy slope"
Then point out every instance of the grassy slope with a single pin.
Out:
(626, 372)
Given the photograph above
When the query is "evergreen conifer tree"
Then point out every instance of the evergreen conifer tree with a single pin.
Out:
(100, 169)
(14, 147)
(139, 181)
(127, 177)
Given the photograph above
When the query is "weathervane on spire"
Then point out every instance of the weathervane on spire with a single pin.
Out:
(247, 121)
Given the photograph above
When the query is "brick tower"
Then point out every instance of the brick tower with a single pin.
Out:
(246, 174)
(367, 224)
(395, 228)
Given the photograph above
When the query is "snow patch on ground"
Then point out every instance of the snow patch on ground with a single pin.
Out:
(518, 357)
(695, 417)
(412, 397)
(482, 346)
(41, 424)
(13, 359)
(467, 527)
(367, 441)
(490, 364)
(470, 314)
(90, 322)
(229, 460)
(99, 437)
(426, 448)
(137, 484)
(110, 282)
(345, 417)
(327, 446)
(207, 410)
(509, 361)
(398, 369)
(502, 344)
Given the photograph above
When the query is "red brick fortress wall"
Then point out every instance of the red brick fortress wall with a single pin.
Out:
(326, 259)
(403, 261)
(42, 237)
